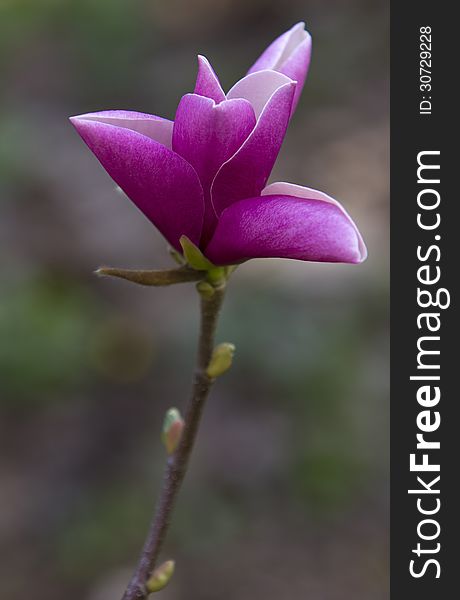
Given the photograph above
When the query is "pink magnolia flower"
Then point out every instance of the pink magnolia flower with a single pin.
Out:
(205, 174)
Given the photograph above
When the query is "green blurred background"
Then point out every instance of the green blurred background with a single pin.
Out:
(288, 488)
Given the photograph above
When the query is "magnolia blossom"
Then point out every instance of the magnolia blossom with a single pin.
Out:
(204, 175)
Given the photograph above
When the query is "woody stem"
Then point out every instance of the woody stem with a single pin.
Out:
(177, 463)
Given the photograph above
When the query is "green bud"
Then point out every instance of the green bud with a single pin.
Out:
(195, 258)
(221, 360)
(160, 577)
(173, 426)
(216, 276)
(205, 289)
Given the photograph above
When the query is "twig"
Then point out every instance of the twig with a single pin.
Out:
(176, 466)
(155, 278)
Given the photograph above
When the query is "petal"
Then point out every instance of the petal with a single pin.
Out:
(206, 134)
(279, 51)
(154, 127)
(289, 54)
(258, 88)
(245, 174)
(207, 82)
(299, 191)
(296, 67)
(284, 227)
(159, 181)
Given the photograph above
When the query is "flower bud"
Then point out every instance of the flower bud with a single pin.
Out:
(221, 360)
(160, 577)
(173, 426)
(217, 276)
(205, 289)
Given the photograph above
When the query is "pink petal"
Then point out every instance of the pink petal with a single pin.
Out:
(279, 51)
(206, 134)
(284, 227)
(154, 127)
(159, 181)
(207, 82)
(299, 191)
(258, 88)
(245, 174)
(296, 67)
(289, 54)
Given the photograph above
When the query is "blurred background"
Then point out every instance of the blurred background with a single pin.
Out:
(287, 492)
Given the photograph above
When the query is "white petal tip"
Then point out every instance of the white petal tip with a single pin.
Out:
(361, 253)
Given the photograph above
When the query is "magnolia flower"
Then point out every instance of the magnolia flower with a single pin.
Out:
(204, 176)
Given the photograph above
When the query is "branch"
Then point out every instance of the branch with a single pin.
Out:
(177, 463)
(156, 278)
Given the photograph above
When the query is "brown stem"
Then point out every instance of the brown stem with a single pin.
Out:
(156, 278)
(176, 466)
